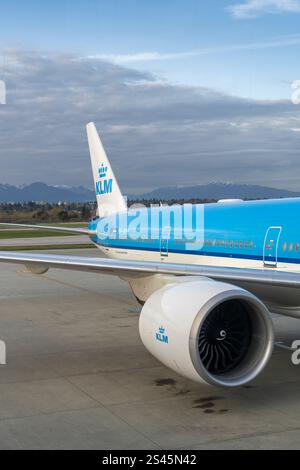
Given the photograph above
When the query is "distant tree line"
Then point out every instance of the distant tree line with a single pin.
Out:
(169, 202)
(35, 212)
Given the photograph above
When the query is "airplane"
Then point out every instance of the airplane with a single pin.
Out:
(207, 299)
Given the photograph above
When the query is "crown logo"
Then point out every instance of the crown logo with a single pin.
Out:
(162, 330)
(102, 171)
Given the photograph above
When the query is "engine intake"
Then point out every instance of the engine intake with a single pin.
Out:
(208, 331)
(225, 336)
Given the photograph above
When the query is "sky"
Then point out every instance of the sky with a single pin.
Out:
(182, 91)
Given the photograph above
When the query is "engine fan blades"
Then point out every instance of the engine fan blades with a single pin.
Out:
(225, 337)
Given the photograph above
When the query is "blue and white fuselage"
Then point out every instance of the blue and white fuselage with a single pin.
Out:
(239, 234)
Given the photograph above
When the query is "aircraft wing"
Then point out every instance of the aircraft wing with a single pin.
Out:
(78, 231)
(40, 263)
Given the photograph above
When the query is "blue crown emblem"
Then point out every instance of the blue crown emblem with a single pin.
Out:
(161, 335)
(102, 171)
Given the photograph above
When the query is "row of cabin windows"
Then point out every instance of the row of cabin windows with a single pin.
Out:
(247, 244)
(290, 246)
(229, 243)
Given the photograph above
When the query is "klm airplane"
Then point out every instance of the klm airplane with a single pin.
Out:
(208, 276)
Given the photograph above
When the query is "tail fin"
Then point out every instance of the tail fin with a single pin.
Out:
(108, 194)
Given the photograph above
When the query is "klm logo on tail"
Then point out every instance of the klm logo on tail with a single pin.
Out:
(105, 185)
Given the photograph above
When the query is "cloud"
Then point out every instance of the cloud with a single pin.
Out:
(254, 8)
(153, 131)
(141, 57)
(125, 59)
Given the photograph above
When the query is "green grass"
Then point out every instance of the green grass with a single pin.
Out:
(6, 234)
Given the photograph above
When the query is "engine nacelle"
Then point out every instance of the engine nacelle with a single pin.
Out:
(208, 331)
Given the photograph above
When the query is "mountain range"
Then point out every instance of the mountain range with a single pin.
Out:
(218, 191)
(43, 192)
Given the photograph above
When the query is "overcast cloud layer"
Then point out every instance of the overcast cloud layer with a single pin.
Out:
(155, 133)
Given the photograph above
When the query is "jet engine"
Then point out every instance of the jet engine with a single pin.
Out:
(208, 331)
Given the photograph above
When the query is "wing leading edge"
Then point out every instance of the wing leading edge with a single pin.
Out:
(41, 262)
(78, 231)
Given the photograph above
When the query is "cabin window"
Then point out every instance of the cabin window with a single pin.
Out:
(246, 245)
(251, 245)
(213, 242)
(284, 246)
(290, 246)
(226, 243)
(297, 247)
(231, 243)
(241, 244)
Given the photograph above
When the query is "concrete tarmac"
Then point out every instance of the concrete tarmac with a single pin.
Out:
(78, 376)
